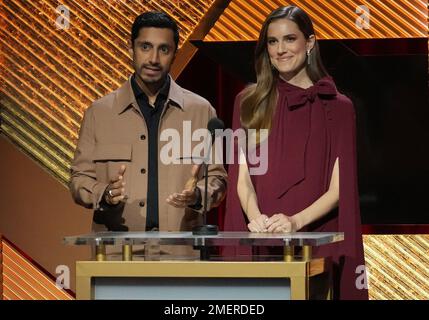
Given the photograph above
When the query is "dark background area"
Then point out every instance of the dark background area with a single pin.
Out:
(388, 82)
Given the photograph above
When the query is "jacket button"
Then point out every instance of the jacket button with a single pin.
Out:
(143, 170)
(142, 204)
(142, 137)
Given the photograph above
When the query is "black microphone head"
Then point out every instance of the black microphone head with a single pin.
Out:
(215, 124)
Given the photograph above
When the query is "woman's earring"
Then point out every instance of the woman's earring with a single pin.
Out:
(308, 56)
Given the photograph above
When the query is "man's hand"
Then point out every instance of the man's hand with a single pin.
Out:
(184, 199)
(189, 195)
(258, 224)
(281, 223)
(115, 191)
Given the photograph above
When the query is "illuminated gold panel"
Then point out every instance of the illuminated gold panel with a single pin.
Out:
(398, 266)
(242, 20)
(23, 281)
(49, 75)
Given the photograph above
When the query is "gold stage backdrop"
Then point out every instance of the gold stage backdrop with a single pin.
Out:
(59, 56)
(345, 19)
(398, 266)
(23, 280)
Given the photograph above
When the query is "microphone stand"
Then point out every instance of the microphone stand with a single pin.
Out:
(205, 229)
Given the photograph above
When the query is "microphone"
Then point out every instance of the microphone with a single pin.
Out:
(214, 126)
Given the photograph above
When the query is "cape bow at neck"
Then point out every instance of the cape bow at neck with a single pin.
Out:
(297, 97)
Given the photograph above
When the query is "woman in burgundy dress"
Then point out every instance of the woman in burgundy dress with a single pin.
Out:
(311, 179)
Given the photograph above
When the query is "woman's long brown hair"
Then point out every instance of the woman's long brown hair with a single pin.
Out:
(259, 100)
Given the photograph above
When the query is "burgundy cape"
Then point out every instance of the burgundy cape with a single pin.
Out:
(311, 128)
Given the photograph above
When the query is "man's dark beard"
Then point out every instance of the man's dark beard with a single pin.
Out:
(160, 81)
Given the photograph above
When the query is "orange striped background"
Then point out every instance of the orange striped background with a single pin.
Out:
(23, 281)
(242, 20)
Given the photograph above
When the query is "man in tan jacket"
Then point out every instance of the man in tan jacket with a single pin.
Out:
(117, 169)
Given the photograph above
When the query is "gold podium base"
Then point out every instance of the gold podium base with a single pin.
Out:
(308, 279)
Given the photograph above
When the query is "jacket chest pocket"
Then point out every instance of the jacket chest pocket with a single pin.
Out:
(108, 158)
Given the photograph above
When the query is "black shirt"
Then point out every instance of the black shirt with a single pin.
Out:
(152, 116)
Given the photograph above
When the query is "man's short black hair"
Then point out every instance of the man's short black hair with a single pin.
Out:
(157, 20)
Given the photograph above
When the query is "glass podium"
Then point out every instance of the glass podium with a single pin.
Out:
(297, 275)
